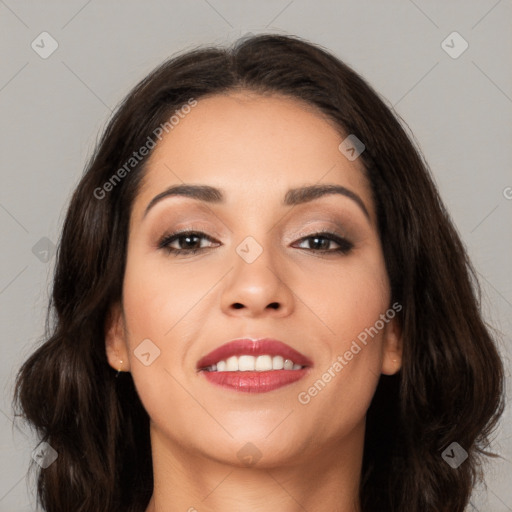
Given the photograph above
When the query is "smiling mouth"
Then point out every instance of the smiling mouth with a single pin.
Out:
(253, 366)
(246, 363)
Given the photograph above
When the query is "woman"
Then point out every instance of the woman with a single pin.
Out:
(260, 304)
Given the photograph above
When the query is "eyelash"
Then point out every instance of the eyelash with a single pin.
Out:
(344, 245)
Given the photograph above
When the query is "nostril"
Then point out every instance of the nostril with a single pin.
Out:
(274, 305)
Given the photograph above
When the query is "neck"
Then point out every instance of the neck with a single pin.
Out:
(188, 482)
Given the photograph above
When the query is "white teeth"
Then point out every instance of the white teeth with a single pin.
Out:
(246, 363)
(263, 363)
(232, 364)
(277, 363)
(254, 363)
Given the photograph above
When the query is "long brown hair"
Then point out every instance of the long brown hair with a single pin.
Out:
(450, 387)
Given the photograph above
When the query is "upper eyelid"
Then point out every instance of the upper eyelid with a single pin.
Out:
(333, 223)
(325, 213)
(301, 236)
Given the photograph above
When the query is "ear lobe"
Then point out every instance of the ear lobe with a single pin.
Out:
(392, 347)
(115, 339)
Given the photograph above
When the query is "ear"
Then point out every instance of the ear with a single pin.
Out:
(115, 339)
(392, 345)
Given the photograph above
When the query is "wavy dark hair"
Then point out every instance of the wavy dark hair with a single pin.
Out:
(450, 386)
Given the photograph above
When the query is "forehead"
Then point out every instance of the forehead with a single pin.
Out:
(252, 146)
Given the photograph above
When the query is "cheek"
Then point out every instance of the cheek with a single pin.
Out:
(153, 303)
(348, 297)
(156, 299)
(350, 302)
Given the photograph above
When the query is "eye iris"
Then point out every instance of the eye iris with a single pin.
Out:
(188, 238)
(324, 242)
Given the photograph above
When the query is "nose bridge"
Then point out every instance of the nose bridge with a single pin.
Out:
(257, 281)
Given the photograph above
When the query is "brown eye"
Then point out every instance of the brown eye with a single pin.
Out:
(187, 242)
(320, 242)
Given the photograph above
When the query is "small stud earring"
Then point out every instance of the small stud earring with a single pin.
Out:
(119, 371)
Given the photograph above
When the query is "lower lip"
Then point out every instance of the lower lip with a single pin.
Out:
(255, 382)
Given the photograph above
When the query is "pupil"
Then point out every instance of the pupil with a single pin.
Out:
(188, 238)
(319, 244)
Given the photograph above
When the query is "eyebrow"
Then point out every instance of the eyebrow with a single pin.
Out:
(294, 196)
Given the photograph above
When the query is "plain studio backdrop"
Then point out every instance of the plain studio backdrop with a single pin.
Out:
(445, 68)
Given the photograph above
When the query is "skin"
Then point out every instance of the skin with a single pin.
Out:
(254, 148)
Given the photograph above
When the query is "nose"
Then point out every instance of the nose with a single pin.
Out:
(258, 287)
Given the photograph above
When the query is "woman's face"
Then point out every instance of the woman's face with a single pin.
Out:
(260, 273)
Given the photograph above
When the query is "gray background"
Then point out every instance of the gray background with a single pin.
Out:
(459, 109)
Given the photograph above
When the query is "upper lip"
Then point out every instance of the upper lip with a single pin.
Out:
(245, 346)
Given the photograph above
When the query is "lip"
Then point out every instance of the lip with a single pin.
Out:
(254, 381)
(249, 347)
